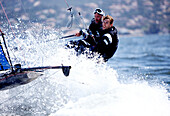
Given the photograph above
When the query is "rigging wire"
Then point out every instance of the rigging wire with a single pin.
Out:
(70, 23)
(67, 3)
(7, 19)
(84, 24)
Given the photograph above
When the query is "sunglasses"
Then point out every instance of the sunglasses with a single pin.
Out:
(99, 11)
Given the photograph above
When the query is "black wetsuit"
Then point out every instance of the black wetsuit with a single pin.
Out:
(107, 43)
(94, 32)
(95, 28)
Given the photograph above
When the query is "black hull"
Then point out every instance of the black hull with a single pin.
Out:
(13, 80)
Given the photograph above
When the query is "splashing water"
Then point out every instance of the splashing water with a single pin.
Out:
(92, 89)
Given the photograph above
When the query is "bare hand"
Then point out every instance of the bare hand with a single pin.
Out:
(77, 34)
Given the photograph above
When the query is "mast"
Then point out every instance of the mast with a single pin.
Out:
(2, 34)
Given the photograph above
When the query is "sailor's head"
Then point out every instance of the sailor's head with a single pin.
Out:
(98, 14)
(107, 22)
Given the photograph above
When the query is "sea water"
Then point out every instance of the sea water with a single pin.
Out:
(134, 82)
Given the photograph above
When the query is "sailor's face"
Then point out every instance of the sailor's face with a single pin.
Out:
(97, 17)
(106, 24)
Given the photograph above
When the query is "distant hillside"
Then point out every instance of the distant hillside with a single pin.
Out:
(131, 16)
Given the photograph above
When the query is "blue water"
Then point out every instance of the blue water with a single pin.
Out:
(147, 56)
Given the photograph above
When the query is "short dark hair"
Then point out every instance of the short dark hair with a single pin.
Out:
(109, 17)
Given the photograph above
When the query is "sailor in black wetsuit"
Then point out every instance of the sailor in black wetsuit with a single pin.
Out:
(90, 34)
(94, 28)
(108, 41)
(96, 22)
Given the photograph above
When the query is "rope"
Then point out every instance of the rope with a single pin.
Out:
(67, 3)
(8, 19)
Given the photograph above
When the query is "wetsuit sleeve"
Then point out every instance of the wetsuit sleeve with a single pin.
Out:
(107, 45)
(101, 45)
(92, 26)
(107, 39)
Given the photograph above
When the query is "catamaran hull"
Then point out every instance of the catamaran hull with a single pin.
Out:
(14, 80)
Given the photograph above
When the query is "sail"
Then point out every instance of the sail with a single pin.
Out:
(4, 64)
